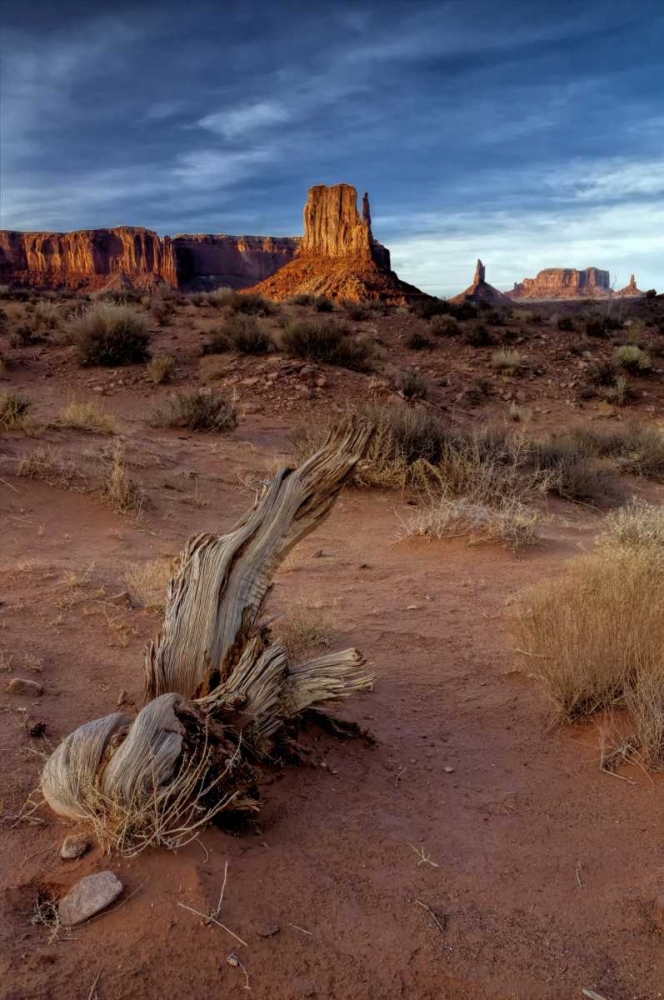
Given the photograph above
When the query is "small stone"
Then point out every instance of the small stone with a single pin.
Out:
(321, 381)
(97, 388)
(75, 846)
(268, 931)
(449, 770)
(89, 896)
(121, 600)
(21, 685)
(250, 408)
(658, 912)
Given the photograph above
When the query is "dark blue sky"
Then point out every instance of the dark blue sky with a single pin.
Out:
(527, 132)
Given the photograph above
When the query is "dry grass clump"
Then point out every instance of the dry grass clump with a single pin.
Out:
(50, 466)
(412, 386)
(14, 410)
(47, 315)
(637, 524)
(161, 368)
(506, 361)
(595, 635)
(620, 393)
(332, 345)
(633, 359)
(118, 490)
(86, 416)
(110, 335)
(199, 410)
(219, 297)
(304, 627)
(510, 522)
(147, 581)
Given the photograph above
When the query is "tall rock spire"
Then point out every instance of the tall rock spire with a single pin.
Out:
(480, 272)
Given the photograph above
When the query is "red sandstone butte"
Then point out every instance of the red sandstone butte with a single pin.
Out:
(338, 256)
(481, 290)
(563, 283)
(206, 261)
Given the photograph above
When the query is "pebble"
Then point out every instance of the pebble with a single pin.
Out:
(449, 770)
(268, 931)
(21, 685)
(75, 846)
(89, 896)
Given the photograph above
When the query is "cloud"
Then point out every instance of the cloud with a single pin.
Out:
(242, 121)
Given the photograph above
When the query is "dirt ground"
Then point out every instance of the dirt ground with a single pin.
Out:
(472, 853)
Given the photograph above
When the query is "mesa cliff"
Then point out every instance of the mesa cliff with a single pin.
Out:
(481, 290)
(563, 283)
(87, 258)
(338, 256)
(207, 261)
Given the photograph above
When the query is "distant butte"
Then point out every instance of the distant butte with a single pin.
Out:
(564, 283)
(630, 291)
(481, 290)
(338, 256)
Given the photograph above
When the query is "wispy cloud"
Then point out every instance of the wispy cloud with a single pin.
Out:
(242, 121)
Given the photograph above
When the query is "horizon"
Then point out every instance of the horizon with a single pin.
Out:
(550, 145)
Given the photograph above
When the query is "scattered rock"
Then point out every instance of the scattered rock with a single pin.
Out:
(89, 896)
(449, 770)
(21, 685)
(75, 846)
(250, 408)
(268, 931)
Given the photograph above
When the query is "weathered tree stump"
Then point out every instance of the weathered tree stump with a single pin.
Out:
(219, 691)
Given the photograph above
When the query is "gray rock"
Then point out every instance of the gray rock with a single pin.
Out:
(21, 685)
(89, 896)
(75, 846)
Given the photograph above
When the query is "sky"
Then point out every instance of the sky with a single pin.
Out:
(529, 133)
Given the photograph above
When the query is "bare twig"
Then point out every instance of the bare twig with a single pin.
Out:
(439, 919)
(399, 773)
(579, 880)
(211, 918)
(425, 859)
(92, 995)
(301, 929)
(592, 995)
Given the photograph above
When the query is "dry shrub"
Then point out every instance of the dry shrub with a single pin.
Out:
(199, 410)
(50, 466)
(251, 302)
(511, 522)
(333, 345)
(118, 490)
(47, 315)
(160, 368)
(245, 333)
(635, 448)
(595, 634)
(110, 335)
(305, 626)
(162, 310)
(86, 416)
(14, 410)
(412, 386)
(620, 393)
(219, 297)
(147, 581)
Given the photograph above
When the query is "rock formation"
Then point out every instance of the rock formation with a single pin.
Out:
(338, 256)
(87, 259)
(630, 291)
(481, 290)
(219, 261)
(564, 283)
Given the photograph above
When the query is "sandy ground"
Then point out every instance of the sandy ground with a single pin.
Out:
(471, 853)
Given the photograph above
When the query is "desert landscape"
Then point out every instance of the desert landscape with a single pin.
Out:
(485, 821)
(331, 519)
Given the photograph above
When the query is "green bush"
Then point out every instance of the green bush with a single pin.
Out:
(633, 359)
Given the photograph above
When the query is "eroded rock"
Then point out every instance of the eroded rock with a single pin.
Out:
(23, 686)
(75, 846)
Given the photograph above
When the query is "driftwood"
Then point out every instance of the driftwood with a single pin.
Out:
(219, 691)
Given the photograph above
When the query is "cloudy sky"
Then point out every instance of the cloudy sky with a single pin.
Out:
(527, 132)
